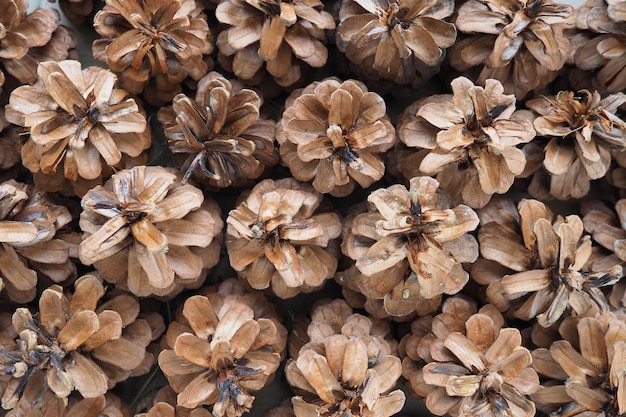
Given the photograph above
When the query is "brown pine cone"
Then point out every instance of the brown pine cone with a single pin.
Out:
(29, 248)
(219, 137)
(220, 351)
(411, 244)
(277, 237)
(586, 371)
(21, 31)
(81, 126)
(520, 43)
(481, 371)
(273, 37)
(400, 40)
(335, 134)
(581, 129)
(75, 342)
(345, 369)
(148, 233)
(155, 44)
(472, 137)
(533, 264)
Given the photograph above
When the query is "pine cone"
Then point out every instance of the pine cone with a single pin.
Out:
(475, 130)
(283, 35)
(74, 343)
(344, 369)
(520, 43)
(219, 137)
(29, 248)
(582, 130)
(147, 232)
(414, 230)
(80, 125)
(19, 32)
(585, 372)
(400, 40)
(157, 44)
(223, 350)
(533, 263)
(278, 237)
(483, 371)
(335, 133)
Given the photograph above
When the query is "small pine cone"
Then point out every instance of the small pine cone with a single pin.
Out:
(75, 342)
(398, 40)
(29, 248)
(482, 371)
(411, 230)
(520, 43)
(80, 124)
(219, 137)
(21, 31)
(533, 264)
(582, 129)
(607, 228)
(346, 370)
(146, 231)
(585, 372)
(273, 37)
(603, 50)
(335, 134)
(474, 130)
(278, 237)
(154, 44)
(220, 351)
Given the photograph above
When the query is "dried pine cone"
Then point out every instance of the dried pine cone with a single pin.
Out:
(416, 230)
(401, 40)
(472, 137)
(29, 247)
(149, 233)
(335, 133)
(581, 129)
(521, 43)
(278, 237)
(219, 137)
(80, 125)
(346, 369)
(220, 351)
(20, 32)
(533, 264)
(586, 371)
(154, 43)
(75, 342)
(274, 37)
(482, 371)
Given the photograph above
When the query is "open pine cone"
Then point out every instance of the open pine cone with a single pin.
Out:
(157, 43)
(533, 264)
(414, 229)
(221, 350)
(346, 369)
(73, 343)
(80, 125)
(274, 37)
(28, 245)
(335, 133)
(521, 43)
(400, 40)
(147, 232)
(472, 136)
(277, 237)
(581, 130)
(219, 137)
(586, 371)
